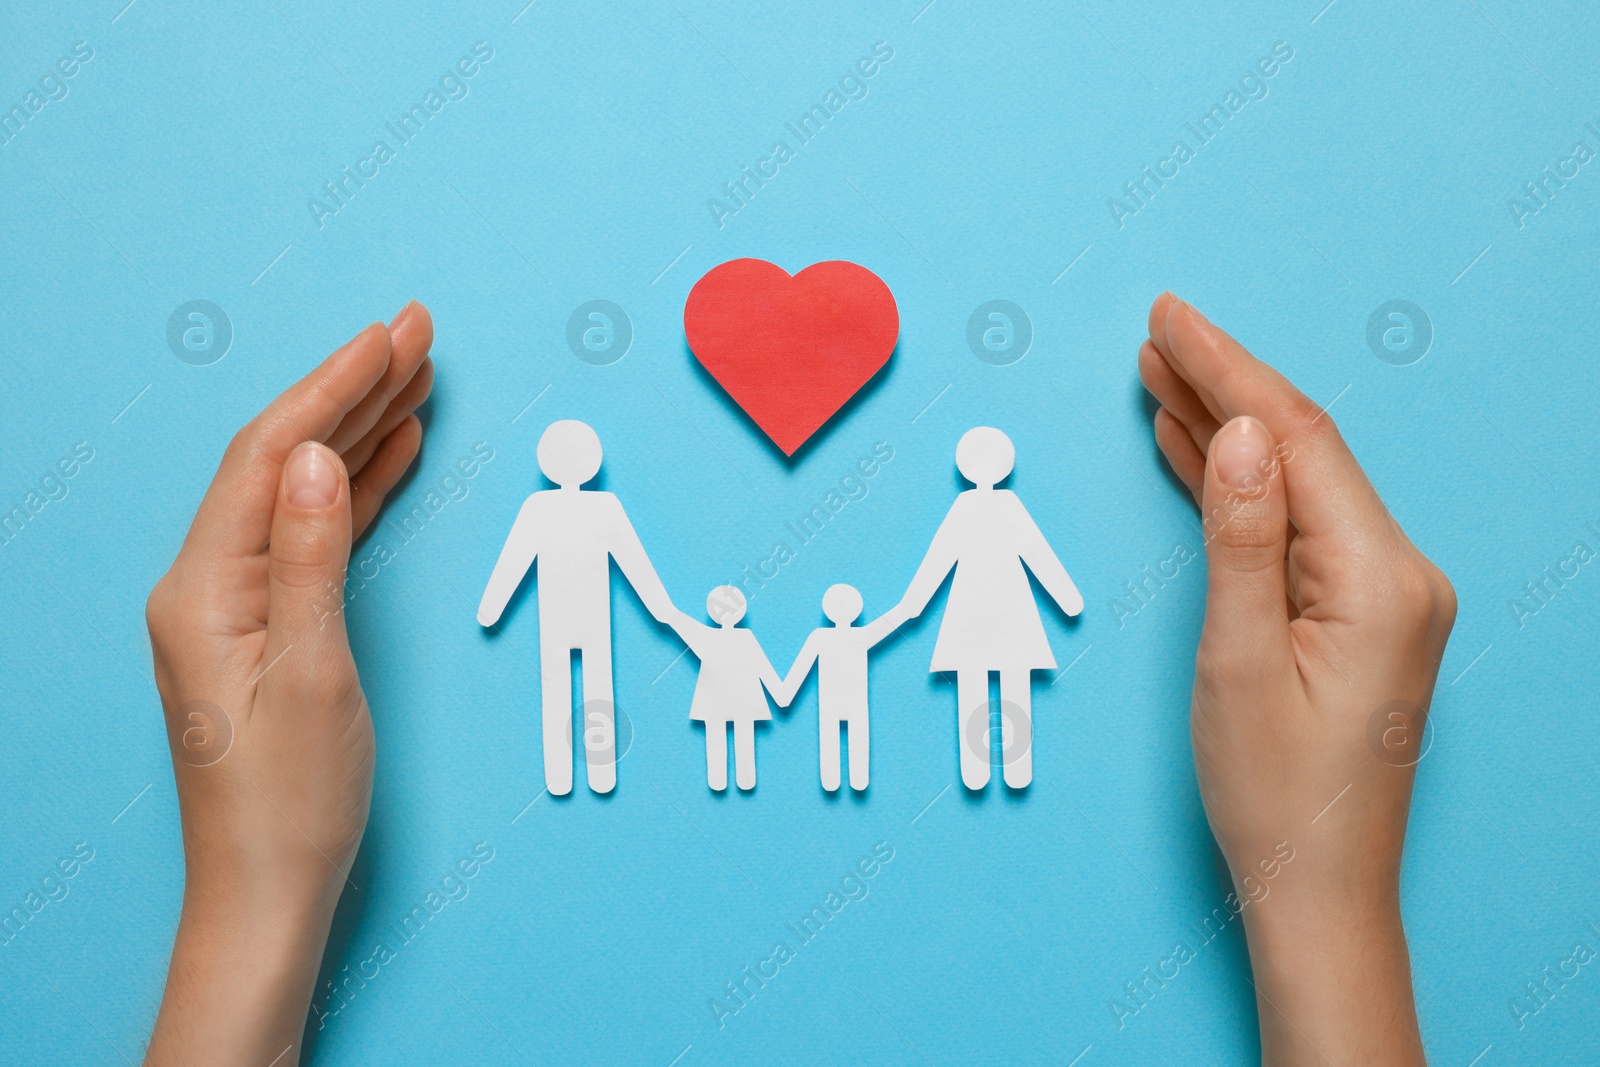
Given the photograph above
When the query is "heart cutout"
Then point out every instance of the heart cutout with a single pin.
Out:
(791, 350)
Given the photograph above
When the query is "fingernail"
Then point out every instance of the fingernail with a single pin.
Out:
(401, 313)
(1241, 453)
(310, 480)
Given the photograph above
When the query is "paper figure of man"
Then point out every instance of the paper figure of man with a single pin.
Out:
(573, 533)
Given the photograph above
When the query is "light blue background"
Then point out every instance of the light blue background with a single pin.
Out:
(180, 165)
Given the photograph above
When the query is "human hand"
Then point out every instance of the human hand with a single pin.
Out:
(271, 738)
(1321, 619)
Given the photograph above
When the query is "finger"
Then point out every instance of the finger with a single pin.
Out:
(388, 464)
(1160, 310)
(306, 559)
(410, 337)
(1156, 322)
(408, 400)
(235, 517)
(1185, 458)
(1246, 522)
(1326, 488)
(1176, 396)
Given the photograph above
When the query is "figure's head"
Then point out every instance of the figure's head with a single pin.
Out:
(841, 604)
(725, 605)
(569, 453)
(984, 456)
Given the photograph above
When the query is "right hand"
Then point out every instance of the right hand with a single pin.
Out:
(1324, 629)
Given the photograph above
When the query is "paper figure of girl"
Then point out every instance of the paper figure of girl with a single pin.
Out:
(840, 654)
(991, 622)
(733, 669)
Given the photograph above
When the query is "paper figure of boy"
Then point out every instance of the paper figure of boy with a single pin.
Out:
(728, 692)
(840, 654)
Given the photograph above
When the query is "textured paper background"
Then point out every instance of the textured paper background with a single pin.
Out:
(179, 166)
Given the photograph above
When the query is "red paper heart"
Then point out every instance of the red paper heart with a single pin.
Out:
(791, 350)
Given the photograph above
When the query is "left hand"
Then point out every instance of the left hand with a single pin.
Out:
(271, 737)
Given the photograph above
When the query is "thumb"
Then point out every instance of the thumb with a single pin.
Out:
(307, 555)
(1246, 520)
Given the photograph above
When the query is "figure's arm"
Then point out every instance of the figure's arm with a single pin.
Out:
(515, 558)
(636, 567)
(1047, 567)
(884, 625)
(785, 691)
(690, 631)
(769, 678)
(941, 556)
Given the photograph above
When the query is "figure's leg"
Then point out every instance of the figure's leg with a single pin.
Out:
(716, 755)
(858, 751)
(599, 717)
(555, 668)
(972, 700)
(828, 750)
(744, 753)
(1016, 702)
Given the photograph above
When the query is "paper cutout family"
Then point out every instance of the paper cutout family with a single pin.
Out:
(991, 623)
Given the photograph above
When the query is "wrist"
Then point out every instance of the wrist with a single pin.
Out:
(279, 914)
(244, 965)
(1332, 976)
(244, 850)
(240, 884)
(1295, 924)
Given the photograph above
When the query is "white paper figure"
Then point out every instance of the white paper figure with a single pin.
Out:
(991, 622)
(733, 668)
(574, 534)
(840, 654)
